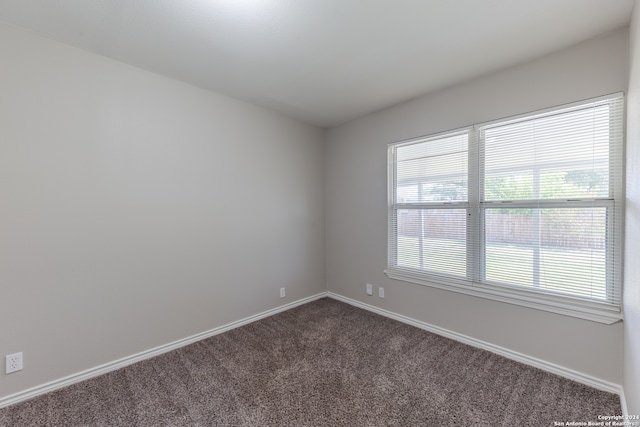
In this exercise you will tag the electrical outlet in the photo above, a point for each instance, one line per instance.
(13, 362)
(282, 293)
(369, 289)
(381, 292)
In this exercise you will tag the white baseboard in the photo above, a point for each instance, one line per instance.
(509, 354)
(623, 403)
(147, 354)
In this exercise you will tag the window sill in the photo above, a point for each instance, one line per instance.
(587, 310)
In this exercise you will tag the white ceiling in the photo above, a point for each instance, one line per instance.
(321, 61)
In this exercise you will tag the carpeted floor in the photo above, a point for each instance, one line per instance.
(325, 363)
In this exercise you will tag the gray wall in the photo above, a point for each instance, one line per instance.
(356, 200)
(632, 241)
(137, 210)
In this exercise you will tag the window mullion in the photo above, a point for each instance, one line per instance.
(474, 213)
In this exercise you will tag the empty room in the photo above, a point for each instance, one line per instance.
(320, 212)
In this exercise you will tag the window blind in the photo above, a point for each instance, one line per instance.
(431, 192)
(526, 209)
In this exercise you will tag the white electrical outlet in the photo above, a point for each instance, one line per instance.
(13, 362)
(381, 292)
(369, 289)
(282, 293)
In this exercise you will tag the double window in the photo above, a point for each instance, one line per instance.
(524, 210)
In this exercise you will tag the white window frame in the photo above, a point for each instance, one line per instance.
(604, 312)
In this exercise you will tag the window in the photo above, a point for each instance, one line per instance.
(524, 210)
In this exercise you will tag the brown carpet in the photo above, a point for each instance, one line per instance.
(325, 363)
